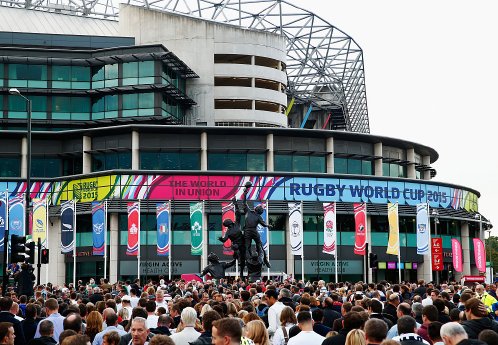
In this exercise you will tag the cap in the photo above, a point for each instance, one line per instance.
(126, 298)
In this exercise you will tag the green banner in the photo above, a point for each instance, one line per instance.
(196, 213)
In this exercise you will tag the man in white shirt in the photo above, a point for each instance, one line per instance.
(188, 334)
(152, 318)
(160, 301)
(134, 298)
(125, 303)
(111, 320)
(14, 310)
(52, 312)
(274, 311)
(306, 336)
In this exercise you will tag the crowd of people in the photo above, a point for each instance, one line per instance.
(262, 313)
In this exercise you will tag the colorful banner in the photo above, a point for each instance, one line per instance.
(3, 217)
(423, 229)
(163, 228)
(296, 228)
(262, 230)
(456, 249)
(392, 216)
(329, 228)
(227, 212)
(480, 255)
(437, 254)
(39, 221)
(68, 209)
(133, 228)
(16, 216)
(196, 226)
(360, 219)
(99, 227)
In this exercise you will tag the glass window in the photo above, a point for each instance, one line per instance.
(10, 167)
(300, 163)
(340, 165)
(61, 104)
(237, 161)
(256, 162)
(354, 166)
(45, 166)
(111, 160)
(130, 70)
(80, 73)
(146, 69)
(130, 101)
(61, 73)
(146, 100)
(16, 107)
(283, 162)
(366, 167)
(111, 71)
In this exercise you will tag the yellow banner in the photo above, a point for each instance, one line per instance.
(40, 220)
(392, 215)
(89, 189)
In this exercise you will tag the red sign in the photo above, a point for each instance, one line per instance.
(474, 279)
(437, 254)
(360, 218)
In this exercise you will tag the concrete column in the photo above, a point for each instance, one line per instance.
(57, 270)
(87, 157)
(464, 231)
(135, 150)
(270, 166)
(378, 161)
(113, 247)
(204, 153)
(330, 155)
(424, 269)
(410, 169)
(426, 160)
(24, 157)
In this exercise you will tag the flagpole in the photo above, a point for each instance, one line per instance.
(105, 239)
(46, 236)
(6, 245)
(74, 247)
(170, 240)
(138, 254)
(302, 243)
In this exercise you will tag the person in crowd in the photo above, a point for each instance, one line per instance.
(330, 313)
(226, 332)
(404, 309)
(46, 328)
(274, 311)
(306, 336)
(434, 332)
(485, 297)
(6, 316)
(375, 331)
(207, 325)
(352, 320)
(287, 321)
(429, 314)
(162, 340)
(477, 318)
(257, 332)
(488, 336)
(375, 312)
(52, 312)
(163, 326)
(453, 333)
(7, 334)
(318, 325)
(390, 309)
(66, 333)
(188, 334)
(356, 337)
(407, 328)
(30, 323)
(111, 321)
(94, 324)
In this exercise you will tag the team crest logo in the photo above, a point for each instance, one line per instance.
(296, 229)
(361, 228)
(196, 227)
(133, 229)
(98, 228)
(421, 228)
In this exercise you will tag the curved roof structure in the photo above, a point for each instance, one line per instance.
(324, 65)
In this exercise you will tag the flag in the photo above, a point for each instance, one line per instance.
(163, 228)
(39, 221)
(196, 226)
(480, 255)
(423, 229)
(392, 216)
(99, 227)
(456, 249)
(227, 212)
(263, 230)
(133, 228)
(67, 226)
(296, 228)
(17, 212)
(360, 219)
(3, 217)
(437, 254)
(329, 228)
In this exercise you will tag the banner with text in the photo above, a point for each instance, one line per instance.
(68, 209)
(392, 216)
(437, 253)
(456, 249)
(163, 216)
(99, 227)
(196, 227)
(480, 255)
(360, 219)
(133, 228)
(329, 228)
(16, 216)
(39, 221)
(227, 212)
(423, 229)
(296, 228)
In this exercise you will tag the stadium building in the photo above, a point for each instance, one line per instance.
(188, 104)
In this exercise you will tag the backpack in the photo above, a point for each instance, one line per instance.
(262, 312)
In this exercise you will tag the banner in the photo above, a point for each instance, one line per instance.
(3, 217)
(163, 228)
(133, 229)
(196, 226)
(263, 231)
(68, 210)
(227, 212)
(296, 228)
(456, 249)
(437, 254)
(480, 255)
(392, 216)
(99, 227)
(39, 221)
(360, 219)
(329, 228)
(16, 216)
(423, 229)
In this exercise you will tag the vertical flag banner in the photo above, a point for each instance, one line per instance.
(263, 231)
(423, 229)
(480, 255)
(196, 226)
(3, 217)
(133, 228)
(329, 228)
(360, 219)
(227, 212)
(392, 216)
(67, 226)
(39, 220)
(456, 249)
(296, 228)
(437, 254)
(163, 228)
(16, 216)
(99, 227)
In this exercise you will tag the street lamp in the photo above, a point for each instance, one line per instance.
(435, 215)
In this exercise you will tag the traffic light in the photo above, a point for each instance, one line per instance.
(374, 263)
(44, 256)
(30, 252)
(18, 248)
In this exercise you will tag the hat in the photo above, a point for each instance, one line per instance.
(126, 298)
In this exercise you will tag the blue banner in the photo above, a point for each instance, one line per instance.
(163, 228)
(99, 227)
(423, 229)
(3, 218)
(67, 226)
(16, 216)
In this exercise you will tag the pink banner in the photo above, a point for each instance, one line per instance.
(360, 218)
(456, 248)
(480, 255)
(133, 229)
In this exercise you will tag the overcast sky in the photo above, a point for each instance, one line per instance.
(431, 71)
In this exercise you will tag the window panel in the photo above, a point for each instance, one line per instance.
(146, 100)
(317, 164)
(146, 68)
(354, 166)
(256, 162)
(300, 163)
(340, 165)
(283, 162)
(10, 167)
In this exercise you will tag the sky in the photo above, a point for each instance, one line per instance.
(431, 69)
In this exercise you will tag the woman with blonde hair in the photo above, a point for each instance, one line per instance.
(206, 307)
(356, 337)
(250, 317)
(257, 332)
(287, 321)
(231, 310)
(94, 324)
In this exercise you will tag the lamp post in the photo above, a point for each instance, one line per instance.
(435, 215)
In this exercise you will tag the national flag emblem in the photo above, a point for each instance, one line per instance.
(162, 228)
